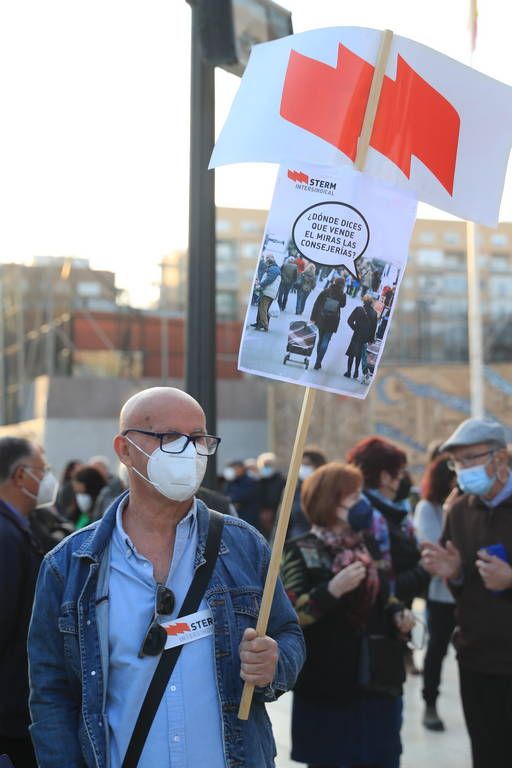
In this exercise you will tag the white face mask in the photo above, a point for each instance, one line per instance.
(84, 501)
(229, 474)
(305, 471)
(47, 492)
(175, 475)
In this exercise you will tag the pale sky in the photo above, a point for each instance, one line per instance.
(95, 120)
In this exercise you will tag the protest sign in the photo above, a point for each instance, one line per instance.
(442, 130)
(323, 308)
(309, 392)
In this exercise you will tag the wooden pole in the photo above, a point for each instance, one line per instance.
(309, 394)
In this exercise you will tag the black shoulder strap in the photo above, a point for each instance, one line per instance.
(169, 658)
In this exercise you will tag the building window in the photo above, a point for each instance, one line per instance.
(500, 287)
(88, 289)
(223, 225)
(427, 237)
(225, 251)
(455, 259)
(499, 238)
(499, 262)
(452, 238)
(227, 275)
(430, 257)
(249, 225)
(226, 303)
(455, 284)
(429, 284)
(250, 250)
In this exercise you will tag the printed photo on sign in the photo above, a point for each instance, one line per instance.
(327, 279)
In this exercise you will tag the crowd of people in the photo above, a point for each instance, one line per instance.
(117, 675)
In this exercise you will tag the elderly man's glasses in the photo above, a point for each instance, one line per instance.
(467, 461)
(177, 442)
(156, 636)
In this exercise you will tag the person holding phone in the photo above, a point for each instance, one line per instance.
(474, 558)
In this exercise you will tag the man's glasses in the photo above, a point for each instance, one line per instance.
(176, 442)
(156, 636)
(466, 461)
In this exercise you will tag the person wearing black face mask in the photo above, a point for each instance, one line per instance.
(383, 465)
(404, 488)
(342, 598)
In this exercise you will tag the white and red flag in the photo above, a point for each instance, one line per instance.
(442, 130)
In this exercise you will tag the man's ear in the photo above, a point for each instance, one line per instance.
(502, 458)
(122, 449)
(17, 475)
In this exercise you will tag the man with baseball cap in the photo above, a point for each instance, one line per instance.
(474, 556)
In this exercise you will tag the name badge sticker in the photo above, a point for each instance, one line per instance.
(186, 629)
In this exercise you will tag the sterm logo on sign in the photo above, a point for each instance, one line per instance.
(298, 176)
(188, 628)
(305, 182)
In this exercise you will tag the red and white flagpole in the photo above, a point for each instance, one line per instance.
(309, 394)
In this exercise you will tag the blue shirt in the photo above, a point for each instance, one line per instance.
(191, 699)
(428, 520)
(21, 518)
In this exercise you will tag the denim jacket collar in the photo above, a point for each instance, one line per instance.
(94, 546)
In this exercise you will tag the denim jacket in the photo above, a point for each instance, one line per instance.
(68, 645)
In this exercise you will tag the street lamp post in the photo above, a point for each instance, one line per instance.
(200, 375)
(223, 32)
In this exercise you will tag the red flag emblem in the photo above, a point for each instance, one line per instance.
(412, 118)
(177, 629)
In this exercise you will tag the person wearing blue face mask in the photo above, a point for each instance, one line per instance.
(474, 557)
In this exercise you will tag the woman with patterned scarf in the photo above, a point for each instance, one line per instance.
(343, 602)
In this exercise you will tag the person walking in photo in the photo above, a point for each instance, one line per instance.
(474, 557)
(306, 283)
(363, 322)
(347, 706)
(268, 288)
(437, 484)
(103, 633)
(288, 278)
(326, 314)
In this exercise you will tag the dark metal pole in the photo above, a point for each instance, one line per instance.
(200, 378)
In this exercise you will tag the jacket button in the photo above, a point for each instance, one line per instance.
(93, 673)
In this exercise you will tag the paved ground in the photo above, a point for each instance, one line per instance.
(422, 748)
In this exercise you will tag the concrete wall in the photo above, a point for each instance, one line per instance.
(78, 418)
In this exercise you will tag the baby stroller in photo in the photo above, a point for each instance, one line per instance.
(301, 341)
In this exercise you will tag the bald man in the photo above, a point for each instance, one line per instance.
(104, 594)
